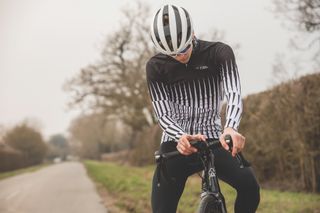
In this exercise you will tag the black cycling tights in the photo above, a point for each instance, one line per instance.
(165, 197)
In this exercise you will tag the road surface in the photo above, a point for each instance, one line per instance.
(60, 188)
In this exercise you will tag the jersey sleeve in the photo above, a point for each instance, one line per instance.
(158, 91)
(232, 87)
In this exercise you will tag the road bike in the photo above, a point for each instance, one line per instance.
(212, 200)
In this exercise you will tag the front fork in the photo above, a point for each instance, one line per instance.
(210, 183)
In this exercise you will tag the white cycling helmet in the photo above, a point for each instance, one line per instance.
(171, 29)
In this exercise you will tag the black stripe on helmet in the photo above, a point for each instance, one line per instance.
(178, 24)
(188, 24)
(166, 26)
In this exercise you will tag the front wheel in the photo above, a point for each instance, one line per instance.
(210, 204)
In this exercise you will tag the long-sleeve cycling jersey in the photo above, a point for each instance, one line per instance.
(187, 98)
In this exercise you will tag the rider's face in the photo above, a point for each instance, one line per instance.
(184, 58)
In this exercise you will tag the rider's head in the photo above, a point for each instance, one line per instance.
(172, 30)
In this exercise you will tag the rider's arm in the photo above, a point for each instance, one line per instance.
(158, 90)
(232, 87)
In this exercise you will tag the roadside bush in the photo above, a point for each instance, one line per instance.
(282, 129)
(28, 141)
(10, 159)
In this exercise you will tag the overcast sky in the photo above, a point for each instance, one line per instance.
(45, 42)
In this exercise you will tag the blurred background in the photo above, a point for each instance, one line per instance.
(72, 87)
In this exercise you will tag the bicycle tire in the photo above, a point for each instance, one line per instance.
(209, 204)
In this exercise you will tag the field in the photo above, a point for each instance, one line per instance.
(129, 188)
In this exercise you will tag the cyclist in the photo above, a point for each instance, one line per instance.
(187, 83)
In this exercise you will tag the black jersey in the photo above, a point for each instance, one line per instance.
(187, 98)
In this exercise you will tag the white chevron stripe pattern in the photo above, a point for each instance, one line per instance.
(194, 107)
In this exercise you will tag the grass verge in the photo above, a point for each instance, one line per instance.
(130, 187)
(4, 175)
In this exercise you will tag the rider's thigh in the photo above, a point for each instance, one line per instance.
(228, 169)
(242, 179)
(166, 193)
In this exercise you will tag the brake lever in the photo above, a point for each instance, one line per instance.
(228, 140)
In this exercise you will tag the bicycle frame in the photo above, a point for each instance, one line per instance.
(210, 183)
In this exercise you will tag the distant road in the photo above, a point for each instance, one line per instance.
(60, 188)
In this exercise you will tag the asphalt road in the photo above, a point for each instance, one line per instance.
(60, 188)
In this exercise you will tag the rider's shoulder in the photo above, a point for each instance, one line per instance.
(224, 52)
(215, 47)
(155, 66)
(157, 59)
(218, 50)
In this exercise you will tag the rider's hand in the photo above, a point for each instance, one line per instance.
(184, 146)
(237, 139)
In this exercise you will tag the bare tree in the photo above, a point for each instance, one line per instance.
(305, 15)
(116, 84)
(91, 135)
(58, 147)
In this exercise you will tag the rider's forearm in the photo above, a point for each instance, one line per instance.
(232, 88)
(233, 110)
